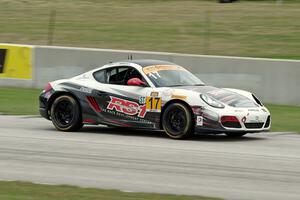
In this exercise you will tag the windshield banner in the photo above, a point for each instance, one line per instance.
(157, 68)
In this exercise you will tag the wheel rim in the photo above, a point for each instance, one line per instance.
(177, 121)
(64, 113)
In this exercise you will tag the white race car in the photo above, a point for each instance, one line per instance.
(151, 94)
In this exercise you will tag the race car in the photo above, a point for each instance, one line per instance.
(153, 95)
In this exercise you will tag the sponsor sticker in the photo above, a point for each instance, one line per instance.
(142, 100)
(153, 104)
(48, 95)
(238, 111)
(174, 96)
(154, 94)
(253, 110)
(244, 119)
(199, 121)
(127, 107)
(254, 119)
(86, 90)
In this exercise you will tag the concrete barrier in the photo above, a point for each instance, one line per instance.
(273, 80)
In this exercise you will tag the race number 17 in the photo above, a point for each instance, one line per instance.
(153, 103)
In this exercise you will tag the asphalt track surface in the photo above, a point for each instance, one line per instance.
(260, 166)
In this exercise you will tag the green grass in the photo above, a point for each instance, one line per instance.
(25, 102)
(12, 190)
(285, 118)
(16, 101)
(246, 28)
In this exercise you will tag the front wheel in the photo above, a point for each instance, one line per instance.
(177, 121)
(65, 114)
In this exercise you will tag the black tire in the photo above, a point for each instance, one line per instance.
(66, 114)
(235, 135)
(177, 121)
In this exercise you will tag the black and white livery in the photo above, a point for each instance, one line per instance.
(154, 95)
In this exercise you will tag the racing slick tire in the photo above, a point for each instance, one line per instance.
(66, 114)
(235, 135)
(177, 121)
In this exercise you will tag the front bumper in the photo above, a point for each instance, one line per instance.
(219, 131)
(249, 120)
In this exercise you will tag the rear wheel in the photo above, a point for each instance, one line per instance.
(65, 114)
(177, 121)
(235, 135)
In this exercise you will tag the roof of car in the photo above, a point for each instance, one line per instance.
(145, 63)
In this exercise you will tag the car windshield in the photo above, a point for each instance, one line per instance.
(171, 76)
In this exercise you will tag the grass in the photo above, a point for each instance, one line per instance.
(18, 101)
(285, 118)
(13, 190)
(245, 28)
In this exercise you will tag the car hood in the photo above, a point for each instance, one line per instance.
(225, 96)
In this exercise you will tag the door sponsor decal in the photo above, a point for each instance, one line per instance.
(127, 107)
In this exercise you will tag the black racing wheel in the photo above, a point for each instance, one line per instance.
(177, 121)
(65, 114)
(235, 135)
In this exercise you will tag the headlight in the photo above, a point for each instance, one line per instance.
(210, 101)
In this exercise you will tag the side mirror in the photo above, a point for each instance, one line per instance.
(136, 82)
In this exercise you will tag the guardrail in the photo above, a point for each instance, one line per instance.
(273, 80)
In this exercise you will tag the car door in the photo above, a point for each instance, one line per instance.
(122, 104)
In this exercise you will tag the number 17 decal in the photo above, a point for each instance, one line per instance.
(153, 104)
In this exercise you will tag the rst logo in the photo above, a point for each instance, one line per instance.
(126, 107)
(2, 59)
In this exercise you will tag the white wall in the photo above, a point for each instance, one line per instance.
(274, 81)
